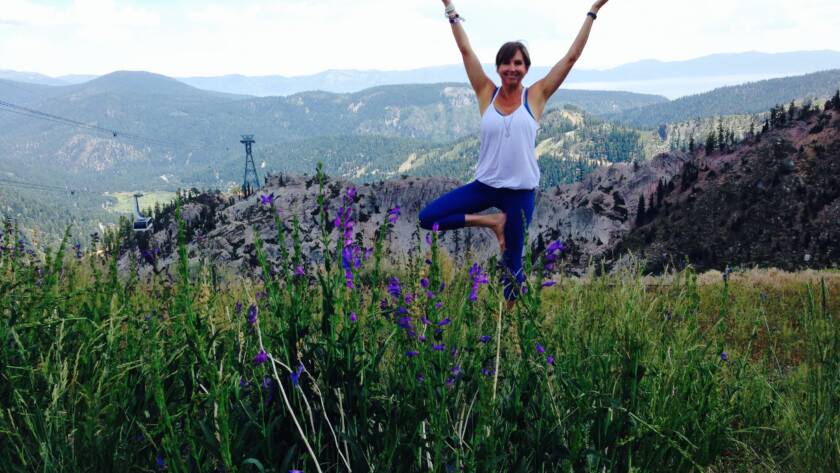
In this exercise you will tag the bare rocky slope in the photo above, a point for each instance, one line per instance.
(773, 200)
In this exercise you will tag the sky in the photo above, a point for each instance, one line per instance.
(184, 38)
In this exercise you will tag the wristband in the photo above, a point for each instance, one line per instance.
(594, 16)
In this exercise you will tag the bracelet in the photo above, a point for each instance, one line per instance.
(594, 16)
(450, 8)
(456, 19)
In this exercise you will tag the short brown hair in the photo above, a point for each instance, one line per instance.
(508, 50)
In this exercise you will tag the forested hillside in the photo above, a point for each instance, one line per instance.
(748, 98)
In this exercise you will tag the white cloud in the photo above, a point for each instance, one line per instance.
(292, 37)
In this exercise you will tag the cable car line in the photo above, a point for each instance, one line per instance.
(46, 187)
(32, 113)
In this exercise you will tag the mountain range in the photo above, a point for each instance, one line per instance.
(670, 78)
(156, 133)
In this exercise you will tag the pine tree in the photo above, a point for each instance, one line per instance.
(791, 111)
(711, 144)
(640, 211)
(835, 101)
(691, 144)
(660, 192)
(721, 137)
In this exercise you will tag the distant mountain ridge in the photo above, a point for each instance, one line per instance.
(191, 136)
(722, 69)
(747, 98)
(749, 63)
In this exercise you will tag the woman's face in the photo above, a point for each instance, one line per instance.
(514, 71)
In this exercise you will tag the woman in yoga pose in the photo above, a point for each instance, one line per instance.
(507, 173)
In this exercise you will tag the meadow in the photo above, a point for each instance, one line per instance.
(374, 362)
(125, 200)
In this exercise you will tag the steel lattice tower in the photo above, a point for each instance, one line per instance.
(249, 186)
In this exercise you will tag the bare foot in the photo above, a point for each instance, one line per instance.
(498, 228)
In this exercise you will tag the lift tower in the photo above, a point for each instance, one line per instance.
(252, 184)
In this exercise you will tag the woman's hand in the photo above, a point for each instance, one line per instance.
(597, 5)
(446, 2)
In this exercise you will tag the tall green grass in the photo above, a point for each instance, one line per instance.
(294, 370)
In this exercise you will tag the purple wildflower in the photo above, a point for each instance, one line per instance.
(295, 375)
(425, 320)
(488, 371)
(261, 357)
(243, 383)
(444, 322)
(159, 463)
(551, 253)
(299, 271)
(548, 283)
(348, 279)
(438, 347)
(421, 378)
(351, 193)
(478, 277)
(450, 381)
(412, 353)
(267, 199)
(429, 239)
(550, 360)
(438, 304)
(555, 246)
(484, 339)
(724, 356)
(394, 214)
(295, 471)
(353, 317)
(422, 338)
(394, 287)
(456, 370)
(424, 282)
(252, 315)
(540, 349)
(404, 323)
(409, 299)
(383, 304)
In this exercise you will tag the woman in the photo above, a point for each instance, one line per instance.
(507, 173)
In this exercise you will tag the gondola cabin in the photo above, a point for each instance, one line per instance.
(141, 223)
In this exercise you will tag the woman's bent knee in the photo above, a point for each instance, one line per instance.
(426, 219)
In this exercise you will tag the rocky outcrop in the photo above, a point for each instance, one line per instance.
(772, 201)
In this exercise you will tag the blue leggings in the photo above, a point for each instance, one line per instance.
(449, 209)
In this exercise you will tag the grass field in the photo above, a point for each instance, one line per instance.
(125, 200)
(349, 367)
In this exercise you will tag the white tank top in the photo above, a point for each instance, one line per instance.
(507, 156)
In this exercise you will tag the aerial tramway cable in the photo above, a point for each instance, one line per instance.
(32, 113)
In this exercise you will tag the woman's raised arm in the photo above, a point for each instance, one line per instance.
(544, 88)
(481, 84)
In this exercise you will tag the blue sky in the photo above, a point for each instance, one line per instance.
(293, 37)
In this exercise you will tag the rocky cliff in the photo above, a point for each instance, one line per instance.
(770, 201)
